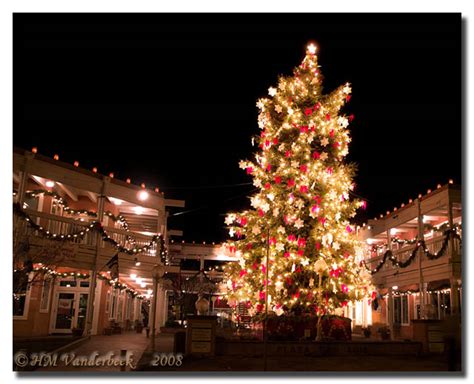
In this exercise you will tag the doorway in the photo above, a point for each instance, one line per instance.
(69, 309)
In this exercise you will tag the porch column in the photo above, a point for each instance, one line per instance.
(24, 178)
(390, 311)
(390, 300)
(93, 281)
(454, 261)
(420, 256)
(158, 272)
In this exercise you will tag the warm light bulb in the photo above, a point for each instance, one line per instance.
(142, 195)
(50, 184)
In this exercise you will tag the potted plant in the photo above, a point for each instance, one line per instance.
(384, 333)
(77, 332)
(367, 331)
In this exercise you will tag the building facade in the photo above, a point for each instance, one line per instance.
(414, 255)
(89, 251)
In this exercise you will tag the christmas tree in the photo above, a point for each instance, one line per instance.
(302, 207)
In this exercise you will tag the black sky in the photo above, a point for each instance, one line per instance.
(169, 99)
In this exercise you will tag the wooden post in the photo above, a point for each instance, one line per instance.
(420, 256)
(390, 297)
(24, 178)
(453, 259)
(93, 279)
(265, 324)
(390, 311)
(153, 311)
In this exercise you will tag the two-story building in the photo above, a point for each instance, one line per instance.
(89, 250)
(414, 255)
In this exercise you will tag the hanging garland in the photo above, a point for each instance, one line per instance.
(60, 201)
(442, 228)
(85, 276)
(94, 226)
(388, 255)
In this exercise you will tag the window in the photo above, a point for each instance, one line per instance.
(107, 302)
(114, 304)
(21, 295)
(68, 283)
(45, 294)
(400, 310)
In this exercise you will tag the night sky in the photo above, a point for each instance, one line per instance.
(169, 99)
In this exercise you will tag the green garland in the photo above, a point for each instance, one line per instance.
(388, 255)
(60, 201)
(85, 276)
(94, 226)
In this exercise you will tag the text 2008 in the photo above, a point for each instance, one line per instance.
(167, 360)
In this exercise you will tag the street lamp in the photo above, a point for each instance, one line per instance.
(320, 267)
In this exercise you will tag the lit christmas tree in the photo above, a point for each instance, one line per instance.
(301, 212)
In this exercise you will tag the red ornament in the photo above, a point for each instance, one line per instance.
(288, 154)
(300, 252)
(291, 238)
(272, 241)
(275, 141)
(318, 246)
(351, 117)
(331, 134)
(317, 106)
(304, 168)
(328, 116)
(308, 111)
(243, 272)
(291, 183)
(304, 189)
(336, 144)
(316, 155)
(267, 186)
(286, 255)
(269, 167)
(301, 242)
(261, 294)
(249, 170)
(349, 229)
(304, 129)
(348, 98)
(260, 212)
(243, 220)
(277, 179)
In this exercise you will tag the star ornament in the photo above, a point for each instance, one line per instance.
(272, 91)
(347, 89)
(311, 49)
(324, 142)
(278, 108)
(299, 223)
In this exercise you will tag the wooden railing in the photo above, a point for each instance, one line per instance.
(433, 245)
(64, 226)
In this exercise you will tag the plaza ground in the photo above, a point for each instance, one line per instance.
(139, 345)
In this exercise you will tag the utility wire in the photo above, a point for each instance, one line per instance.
(209, 186)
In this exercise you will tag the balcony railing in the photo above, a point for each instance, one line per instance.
(433, 245)
(80, 232)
